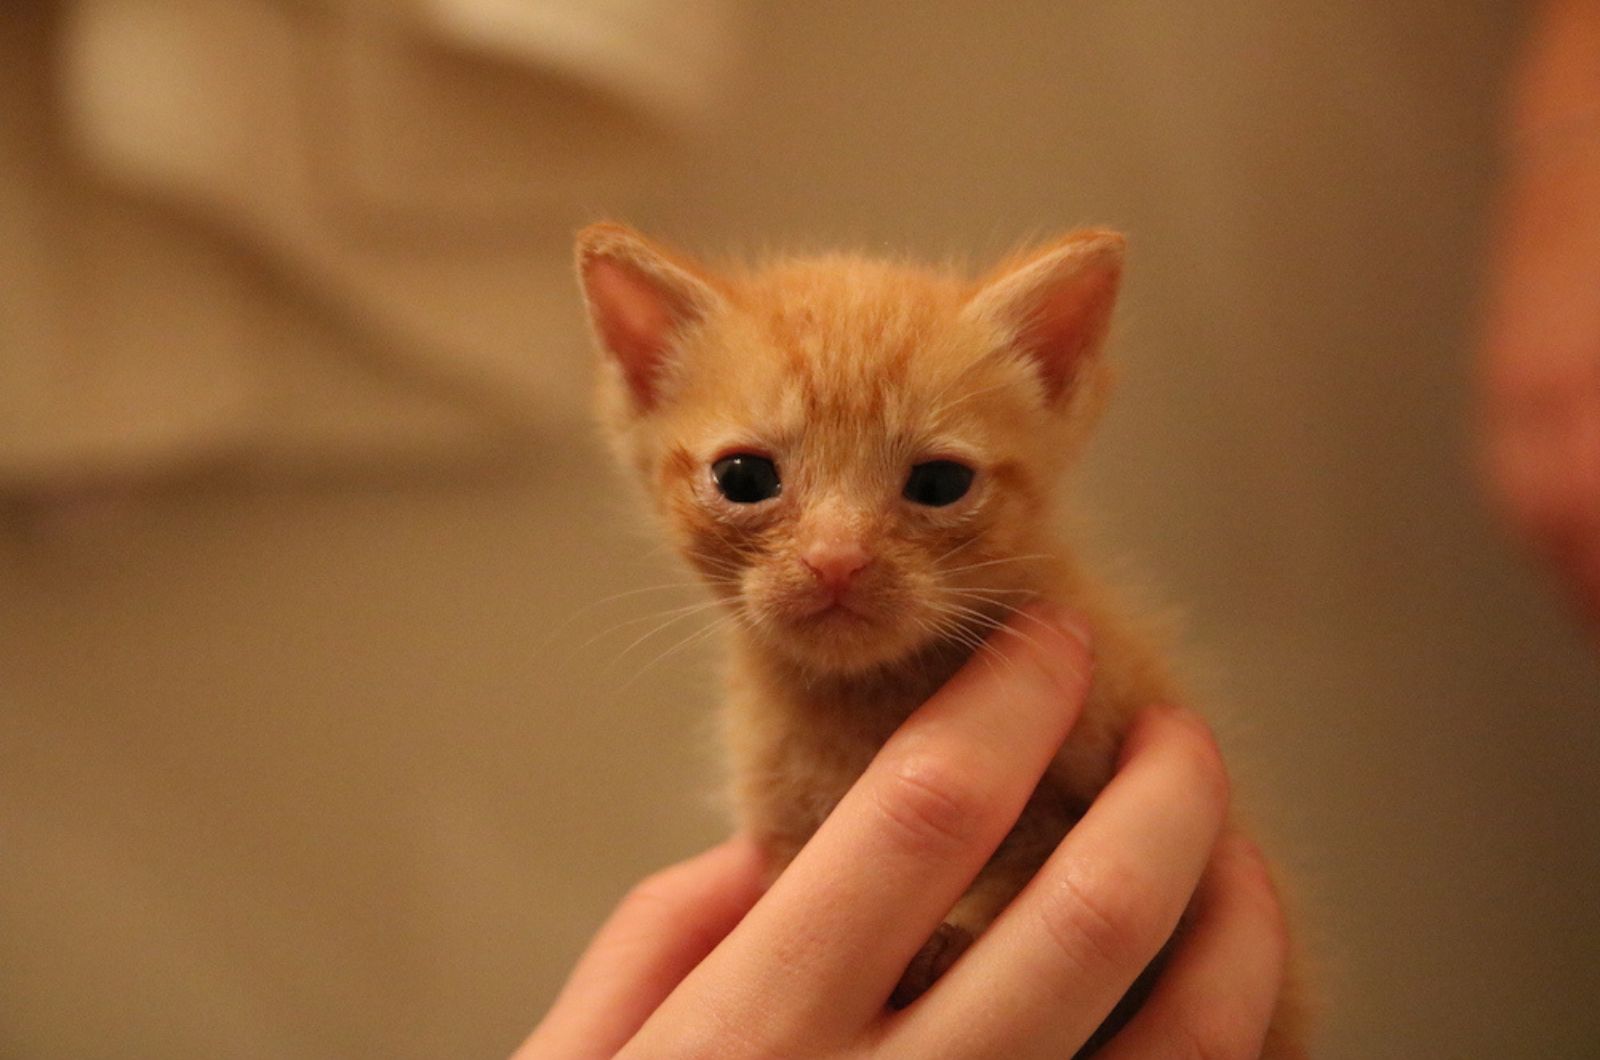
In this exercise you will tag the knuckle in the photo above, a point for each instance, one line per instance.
(720, 1031)
(1201, 1037)
(1102, 920)
(933, 806)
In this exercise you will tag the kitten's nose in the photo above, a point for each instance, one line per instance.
(835, 563)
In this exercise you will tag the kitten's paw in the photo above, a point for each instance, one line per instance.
(936, 955)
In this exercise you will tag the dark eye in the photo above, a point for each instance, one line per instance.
(745, 478)
(937, 483)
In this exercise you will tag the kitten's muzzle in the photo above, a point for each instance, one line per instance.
(835, 564)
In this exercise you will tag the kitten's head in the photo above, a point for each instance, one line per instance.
(857, 456)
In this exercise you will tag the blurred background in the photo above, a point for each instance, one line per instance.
(319, 735)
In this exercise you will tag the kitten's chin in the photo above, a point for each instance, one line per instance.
(841, 642)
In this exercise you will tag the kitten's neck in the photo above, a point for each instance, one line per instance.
(882, 696)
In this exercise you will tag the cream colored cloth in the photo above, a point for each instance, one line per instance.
(308, 232)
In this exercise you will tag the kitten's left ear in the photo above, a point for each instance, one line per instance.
(1055, 304)
(641, 298)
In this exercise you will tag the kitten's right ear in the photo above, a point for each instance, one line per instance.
(640, 297)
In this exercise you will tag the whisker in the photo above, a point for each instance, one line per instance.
(990, 591)
(968, 542)
(699, 635)
(997, 562)
(950, 627)
(982, 620)
(957, 622)
(647, 589)
(593, 605)
(1007, 608)
(672, 616)
(1035, 619)
(677, 617)
(1011, 609)
(998, 624)
(715, 563)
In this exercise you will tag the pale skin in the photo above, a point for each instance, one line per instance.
(698, 961)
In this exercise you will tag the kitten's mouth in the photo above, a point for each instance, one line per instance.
(843, 634)
(833, 611)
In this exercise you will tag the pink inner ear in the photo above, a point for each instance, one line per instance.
(1065, 322)
(635, 319)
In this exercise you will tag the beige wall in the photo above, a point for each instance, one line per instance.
(332, 767)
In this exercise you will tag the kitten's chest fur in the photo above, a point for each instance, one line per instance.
(798, 740)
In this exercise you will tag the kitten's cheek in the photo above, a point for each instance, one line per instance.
(763, 601)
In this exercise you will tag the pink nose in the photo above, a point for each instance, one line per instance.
(835, 563)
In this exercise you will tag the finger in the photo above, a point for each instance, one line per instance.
(828, 943)
(1051, 967)
(1216, 996)
(661, 930)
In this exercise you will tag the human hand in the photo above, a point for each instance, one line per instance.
(697, 962)
(1540, 363)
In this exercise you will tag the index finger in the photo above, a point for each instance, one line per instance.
(1051, 967)
(832, 937)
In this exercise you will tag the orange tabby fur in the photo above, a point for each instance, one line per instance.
(845, 372)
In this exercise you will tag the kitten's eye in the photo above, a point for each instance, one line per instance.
(937, 483)
(745, 478)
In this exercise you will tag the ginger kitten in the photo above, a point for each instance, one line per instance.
(859, 457)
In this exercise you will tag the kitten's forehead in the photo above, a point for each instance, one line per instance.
(866, 338)
(856, 366)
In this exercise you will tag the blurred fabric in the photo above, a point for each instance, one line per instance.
(249, 232)
(338, 734)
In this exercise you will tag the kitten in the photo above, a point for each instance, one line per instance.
(859, 458)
